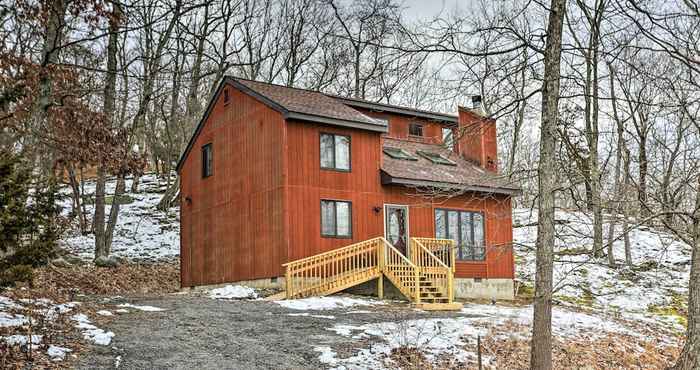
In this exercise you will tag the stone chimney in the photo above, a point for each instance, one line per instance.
(476, 137)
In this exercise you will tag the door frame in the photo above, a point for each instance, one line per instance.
(408, 231)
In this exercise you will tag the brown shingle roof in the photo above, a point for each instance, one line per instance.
(308, 103)
(424, 172)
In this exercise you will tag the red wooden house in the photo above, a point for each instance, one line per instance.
(275, 174)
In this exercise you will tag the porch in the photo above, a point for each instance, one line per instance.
(424, 275)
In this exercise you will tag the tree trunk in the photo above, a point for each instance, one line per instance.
(643, 169)
(690, 355)
(113, 213)
(625, 208)
(99, 218)
(77, 199)
(170, 196)
(541, 345)
(102, 243)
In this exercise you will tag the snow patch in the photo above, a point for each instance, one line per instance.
(22, 339)
(57, 353)
(326, 303)
(306, 314)
(233, 292)
(142, 308)
(8, 319)
(104, 313)
(91, 332)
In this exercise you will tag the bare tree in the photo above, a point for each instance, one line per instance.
(541, 345)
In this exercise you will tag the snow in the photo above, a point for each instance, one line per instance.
(8, 319)
(22, 339)
(233, 292)
(8, 303)
(142, 308)
(143, 233)
(121, 310)
(326, 303)
(306, 314)
(327, 355)
(91, 332)
(659, 278)
(104, 313)
(57, 353)
(457, 336)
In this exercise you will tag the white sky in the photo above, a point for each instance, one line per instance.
(428, 8)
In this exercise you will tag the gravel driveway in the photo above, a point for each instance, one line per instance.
(197, 332)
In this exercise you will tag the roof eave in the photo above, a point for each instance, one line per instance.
(336, 122)
(405, 111)
(387, 179)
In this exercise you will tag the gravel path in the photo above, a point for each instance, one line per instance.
(196, 332)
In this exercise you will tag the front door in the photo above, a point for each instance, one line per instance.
(396, 226)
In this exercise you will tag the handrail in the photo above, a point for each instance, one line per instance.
(422, 275)
(401, 255)
(448, 257)
(429, 253)
(332, 271)
(334, 251)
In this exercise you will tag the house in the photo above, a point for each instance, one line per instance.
(275, 174)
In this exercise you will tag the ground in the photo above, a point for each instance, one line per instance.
(134, 316)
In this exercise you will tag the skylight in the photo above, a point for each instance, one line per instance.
(436, 158)
(398, 153)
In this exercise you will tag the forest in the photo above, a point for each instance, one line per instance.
(597, 104)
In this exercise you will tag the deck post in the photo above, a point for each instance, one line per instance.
(417, 286)
(381, 256)
(288, 283)
(450, 287)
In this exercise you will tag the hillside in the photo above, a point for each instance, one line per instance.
(654, 289)
(143, 233)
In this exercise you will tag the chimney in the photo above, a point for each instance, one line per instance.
(476, 103)
(476, 137)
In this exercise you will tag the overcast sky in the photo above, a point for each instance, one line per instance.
(428, 8)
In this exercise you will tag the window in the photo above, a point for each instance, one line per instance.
(383, 121)
(226, 97)
(436, 158)
(398, 153)
(336, 219)
(207, 160)
(415, 129)
(335, 152)
(466, 229)
(448, 138)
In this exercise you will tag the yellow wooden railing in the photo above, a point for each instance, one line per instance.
(431, 267)
(333, 271)
(443, 249)
(403, 273)
(428, 272)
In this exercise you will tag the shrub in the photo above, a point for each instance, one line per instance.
(16, 274)
(29, 218)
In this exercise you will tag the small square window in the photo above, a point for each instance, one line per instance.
(415, 129)
(207, 160)
(436, 158)
(336, 218)
(398, 153)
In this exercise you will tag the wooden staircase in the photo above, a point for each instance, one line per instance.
(426, 277)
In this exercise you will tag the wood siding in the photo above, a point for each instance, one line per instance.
(308, 184)
(233, 227)
(261, 206)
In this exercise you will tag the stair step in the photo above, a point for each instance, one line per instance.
(439, 306)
